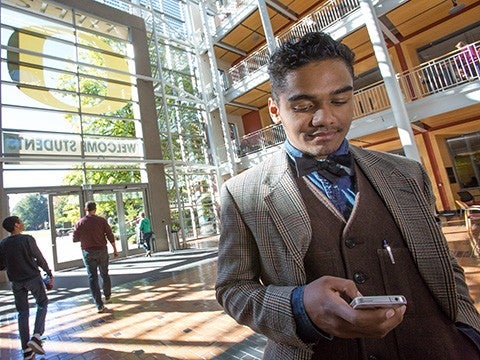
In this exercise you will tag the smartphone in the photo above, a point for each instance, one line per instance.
(371, 302)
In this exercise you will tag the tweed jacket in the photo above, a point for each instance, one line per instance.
(266, 232)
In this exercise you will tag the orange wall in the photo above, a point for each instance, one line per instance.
(251, 122)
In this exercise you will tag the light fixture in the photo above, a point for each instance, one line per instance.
(456, 7)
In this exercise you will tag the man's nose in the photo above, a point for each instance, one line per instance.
(321, 116)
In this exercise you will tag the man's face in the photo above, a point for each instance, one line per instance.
(316, 108)
(19, 226)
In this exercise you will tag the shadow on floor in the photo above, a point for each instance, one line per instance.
(106, 354)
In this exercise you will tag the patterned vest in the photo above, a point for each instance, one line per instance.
(354, 250)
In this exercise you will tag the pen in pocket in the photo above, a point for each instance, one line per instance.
(389, 251)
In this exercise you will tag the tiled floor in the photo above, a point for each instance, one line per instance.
(170, 312)
(162, 308)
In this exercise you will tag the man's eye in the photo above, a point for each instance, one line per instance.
(302, 108)
(339, 102)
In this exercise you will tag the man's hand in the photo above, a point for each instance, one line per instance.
(333, 315)
(48, 281)
(114, 246)
(49, 285)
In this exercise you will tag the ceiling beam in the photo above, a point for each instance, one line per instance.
(388, 33)
(244, 106)
(419, 127)
(282, 10)
(231, 48)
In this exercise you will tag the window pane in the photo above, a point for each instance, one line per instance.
(28, 119)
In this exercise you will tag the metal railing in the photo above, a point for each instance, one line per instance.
(260, 140)
(453, 69)
(326, 15)
(249, 65)
(320, 19)
(441, 74)
(370, 99)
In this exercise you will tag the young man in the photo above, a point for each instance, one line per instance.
(322, 222)
(20, 256)
(93, 231)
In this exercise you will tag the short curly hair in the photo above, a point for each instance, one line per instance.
(297, 52)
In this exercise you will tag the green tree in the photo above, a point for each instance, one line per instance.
(66, 210)
(33, 210)
(119, 123)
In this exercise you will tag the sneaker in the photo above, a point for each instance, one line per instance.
(107, 298)
(28, 354)
(102, 309)
(36, 344)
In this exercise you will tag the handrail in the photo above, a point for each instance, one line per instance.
(444, 72)
(324, 16)
(453, 69)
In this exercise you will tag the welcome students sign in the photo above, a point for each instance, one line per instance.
(35, 144)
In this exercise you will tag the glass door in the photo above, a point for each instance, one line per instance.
(133, 203)
(51, 214)
(32, 208)
(64, 210)
(107, 207)
(121, 209)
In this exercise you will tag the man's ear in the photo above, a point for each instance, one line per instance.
(274, 111)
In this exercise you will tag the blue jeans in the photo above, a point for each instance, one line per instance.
(147, 241)
(93, 260)
(20, 293)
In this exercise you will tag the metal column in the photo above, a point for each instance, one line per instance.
(267, 26)
(232, 165)
(395, 96)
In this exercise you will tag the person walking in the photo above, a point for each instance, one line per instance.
(93, 231)
(321, 222)
(21, 257)
(145, 233)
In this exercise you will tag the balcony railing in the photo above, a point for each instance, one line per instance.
(225, 9)
(452, 69)
(249, 65)
(438, 75)
(320, 19)
(261, 140)
(326, 15)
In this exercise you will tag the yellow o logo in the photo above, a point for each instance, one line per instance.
(27, 69)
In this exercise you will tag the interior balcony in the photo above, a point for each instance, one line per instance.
(337, 17)
(430, 90)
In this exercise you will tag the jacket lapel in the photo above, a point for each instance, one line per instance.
(285, 204)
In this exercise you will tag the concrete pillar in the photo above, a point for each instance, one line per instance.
(395, 95)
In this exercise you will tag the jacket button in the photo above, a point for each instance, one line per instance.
(360, 277)
(373, 357)
(350, 243)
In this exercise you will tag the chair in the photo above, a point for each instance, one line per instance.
(472, 223)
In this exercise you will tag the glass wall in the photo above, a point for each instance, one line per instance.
(69, 98)
(70, 109)
(465, 152)
(182, 120)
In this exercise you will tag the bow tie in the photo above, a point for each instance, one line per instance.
(332, 168)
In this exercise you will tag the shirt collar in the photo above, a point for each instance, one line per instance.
(293, 152)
